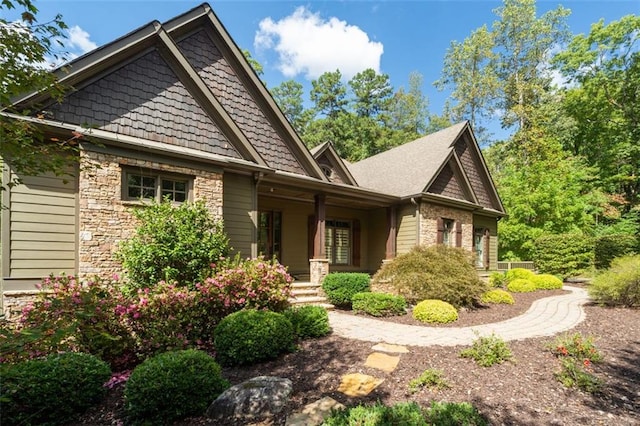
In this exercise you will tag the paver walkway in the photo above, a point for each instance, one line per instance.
(545, 317)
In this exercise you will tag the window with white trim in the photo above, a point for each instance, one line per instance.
(338, 241)
(147, 185)
(448, 235)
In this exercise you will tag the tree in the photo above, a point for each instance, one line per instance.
(288, 96)
(257, 66)
(328, 93)
(409, 110)
(372, 93)
(26, 46)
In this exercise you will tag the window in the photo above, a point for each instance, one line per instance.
(478, 242)
(140, 185)
(338, 242)
(270, 234)
(447, 233)
(326, 170)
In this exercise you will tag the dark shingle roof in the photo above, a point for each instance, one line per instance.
(407, 169)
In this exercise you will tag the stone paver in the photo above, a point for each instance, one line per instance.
(357, 384)
(384, 362)
(314, 413)
(545, 317)
(392, 349)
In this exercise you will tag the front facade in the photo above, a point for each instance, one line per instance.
(174, 110)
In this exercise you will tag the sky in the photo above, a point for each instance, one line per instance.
(302, 39)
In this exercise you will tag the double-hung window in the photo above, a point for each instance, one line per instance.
(148, 185)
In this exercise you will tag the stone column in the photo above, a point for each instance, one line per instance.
(318, 269)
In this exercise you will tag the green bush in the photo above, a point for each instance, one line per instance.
(518, 274)
(172, 244)
(403, 413)
(379, 304)
(564, 254)
(171, 386)
(308, 321)
(429, 378)
(620, 284)
(520, 285)
(435, 272)
(498, 296)
(51, 390)
(435, 311)
(498, 280)
(249, 336)
(455, 414)
(488, 350)
(341, 286)
(547, 282)
(608, 247)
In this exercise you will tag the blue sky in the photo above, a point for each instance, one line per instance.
(302, 39)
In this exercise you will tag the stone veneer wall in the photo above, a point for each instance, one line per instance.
(318, 269)
(429, 214)
(105, 219)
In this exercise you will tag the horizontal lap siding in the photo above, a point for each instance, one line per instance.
(43, 227)
(238, 206)
(407, 229)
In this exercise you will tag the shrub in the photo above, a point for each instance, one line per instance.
(488, 350)
(577, 353)
(498, 280)
(379, 304)
(429, 378)
(520, 285)
(435, 311)
(172, 244)
(518, 274)
(576, 346)
(341, 286)
(546, 282)
(564, 254)
(403, 413)
(608, 247)
(435, 272)
(574, 373)
(171, 386)
(497, 296)
(455, 413)
(308, 321)
(51, 390)
(250, 336)
(620, 284)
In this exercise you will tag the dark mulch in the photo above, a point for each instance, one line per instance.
(521, 393)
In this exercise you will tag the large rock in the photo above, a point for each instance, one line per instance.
(256, 398)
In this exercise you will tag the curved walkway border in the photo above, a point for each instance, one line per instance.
(545, 317)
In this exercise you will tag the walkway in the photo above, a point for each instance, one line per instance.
(545, 317)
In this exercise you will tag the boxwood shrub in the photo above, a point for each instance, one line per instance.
(498, 296)
(379, 304)
(250, 336)
(518, 273)
(51, 390)
(171, 386)
(520, 285)
(341, 286)
(308, 321)
(546, 282)
(436, 311)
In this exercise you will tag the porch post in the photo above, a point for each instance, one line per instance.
(390, 251)
(318, 264)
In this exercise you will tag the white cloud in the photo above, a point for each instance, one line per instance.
(79, 39)
(307, 44)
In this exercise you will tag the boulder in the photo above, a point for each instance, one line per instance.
(256, 398)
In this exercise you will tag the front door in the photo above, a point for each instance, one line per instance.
(478, 243)
(270, 234)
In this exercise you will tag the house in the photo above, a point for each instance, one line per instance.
(175, 110)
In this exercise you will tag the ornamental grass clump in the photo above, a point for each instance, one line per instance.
(619, 285)
(498, 296)
(435, 311)
(488, 350)
(521, 285)
(546, 282)
(379, 304)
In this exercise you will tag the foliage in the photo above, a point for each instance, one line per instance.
(403, 413)
(435, 272)
(520, 285)
(173, 243)
(608, 247)
(488, 351)
(308, 321)
(341, 286)
(288, 96)
(72, 316)
(563, 254)
(618, 285)
(250, 336)
(429, 378)
(51, 390)
(454, 414)
(577, 354)
(497, 296)
(547, 282)
(518, 273)
(171, 386)
(379, 304)
(498, 280)
(437, 311)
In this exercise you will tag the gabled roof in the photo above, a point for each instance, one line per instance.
(326, 154)
(411, 169)
(232, 108)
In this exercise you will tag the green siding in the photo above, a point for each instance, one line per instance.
(239, 212)
(407, 229)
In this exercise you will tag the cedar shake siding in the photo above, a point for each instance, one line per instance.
(447, 184)
(335, 176)
(472, 165)
(145, 99)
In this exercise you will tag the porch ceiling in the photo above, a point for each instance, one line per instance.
(285, 192)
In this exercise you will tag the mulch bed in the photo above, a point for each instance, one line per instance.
(524, 392)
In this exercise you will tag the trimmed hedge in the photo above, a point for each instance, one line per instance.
(608, 247)
(51, 390)
(379, 304)
(250, 336)
(520, 285)
(436, 311)
(171, 386)
(620, 284)
(547, 282)
(341, 286)
(308, 321)
(563, 254)
(498, 296)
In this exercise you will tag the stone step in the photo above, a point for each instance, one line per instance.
(301, 284)
(310, 300)
(304, 292)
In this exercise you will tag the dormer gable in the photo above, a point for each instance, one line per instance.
(332, 165)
